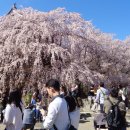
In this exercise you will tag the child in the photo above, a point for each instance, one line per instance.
(29, 118)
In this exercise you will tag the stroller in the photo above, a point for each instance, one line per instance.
(100, 122)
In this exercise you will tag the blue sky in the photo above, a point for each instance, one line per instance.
(110, 16)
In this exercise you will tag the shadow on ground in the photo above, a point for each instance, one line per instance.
(85, 116)
(83, 121)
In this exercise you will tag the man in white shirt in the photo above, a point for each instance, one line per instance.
(102, 93)
(57, 110)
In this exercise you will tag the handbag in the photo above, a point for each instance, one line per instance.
(95, 107)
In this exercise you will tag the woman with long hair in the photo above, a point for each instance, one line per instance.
(13, 112)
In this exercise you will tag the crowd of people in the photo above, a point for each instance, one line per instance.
(54, 105)
(58, 108)
(110, 105)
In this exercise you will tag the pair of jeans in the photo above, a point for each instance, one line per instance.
(124, 128)
(102, 108)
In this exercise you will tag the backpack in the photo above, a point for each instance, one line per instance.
(114, 117)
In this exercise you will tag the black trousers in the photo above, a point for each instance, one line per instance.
(114, 128)
(28, 126)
